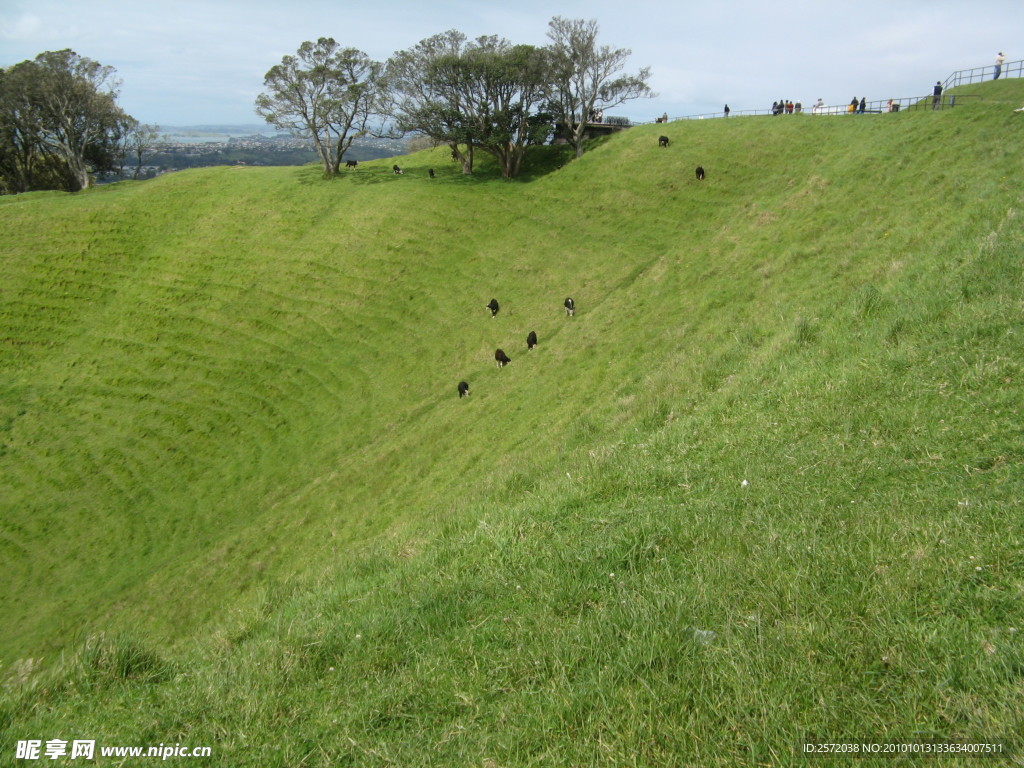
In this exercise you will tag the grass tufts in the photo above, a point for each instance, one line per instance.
(763, 489)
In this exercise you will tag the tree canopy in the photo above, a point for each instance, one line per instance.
(326, 93)
(481, 94)
(418, 99)
(59, 122)
(486, 94)
(584, 76)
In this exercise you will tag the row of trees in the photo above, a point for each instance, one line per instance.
(485, 94)
(60, 124)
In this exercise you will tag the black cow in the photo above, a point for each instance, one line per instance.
(397, 170)
(570, 307)
(430, 173)
(463, 389)
(531, 340)
(501, 358)
(700, 173)
(351, 163)
(493, 306)
(663, 141)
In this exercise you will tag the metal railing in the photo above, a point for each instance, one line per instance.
(946, 101)
(976, 75)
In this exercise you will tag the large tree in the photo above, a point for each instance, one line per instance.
(420, 100)
(81, 120)
(585, 76)
(21, 153)
(325, 93)
(482, 94)
(505, 85)
(140, 143)
(58, 113)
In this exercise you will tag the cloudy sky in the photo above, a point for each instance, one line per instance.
(188, 62)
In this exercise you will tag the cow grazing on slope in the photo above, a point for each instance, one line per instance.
(463, 389)
(430, 173)
(351, 163)
(663, 141)
(397, 170)
(700, 173)
(570, 307)
(493, 306)
(531, 340)
(501, 358)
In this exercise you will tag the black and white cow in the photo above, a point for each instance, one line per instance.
(463, 389)
(493, 306)
(570, 307)
(501, 358)
(663, 141)
(430, 173)
(700, 173)
(351, 163)
(531, 340)
(398, 171)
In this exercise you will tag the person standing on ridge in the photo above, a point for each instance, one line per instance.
(999, 65)
(937, 95)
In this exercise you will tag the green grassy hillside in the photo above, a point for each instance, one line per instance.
(764, 488)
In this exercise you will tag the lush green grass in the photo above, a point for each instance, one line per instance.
(764, 488)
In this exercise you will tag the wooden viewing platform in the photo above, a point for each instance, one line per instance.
(592, 131)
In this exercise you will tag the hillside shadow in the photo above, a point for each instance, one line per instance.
(443, 175)
(537, 163)
(542, 161)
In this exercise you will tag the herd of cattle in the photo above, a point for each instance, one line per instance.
(663, 141)
(395, 168)
(502, 359)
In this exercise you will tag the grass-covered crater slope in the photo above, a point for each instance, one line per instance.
(764, 488)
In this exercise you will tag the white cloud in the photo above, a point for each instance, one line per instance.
(25, 27)
(203, 60)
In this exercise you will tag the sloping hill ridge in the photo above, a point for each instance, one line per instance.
(763, 489)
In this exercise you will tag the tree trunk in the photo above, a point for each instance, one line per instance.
(325, 159)
(465, 159)
(510, 159)
(74, 155)
(577, 137)
(78, 172)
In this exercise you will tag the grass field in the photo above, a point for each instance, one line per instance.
(763, 489)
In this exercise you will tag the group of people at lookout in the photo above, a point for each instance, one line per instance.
(861, 106)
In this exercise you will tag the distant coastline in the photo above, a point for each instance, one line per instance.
(217, 133)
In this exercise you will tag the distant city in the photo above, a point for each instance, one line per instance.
(196, 146)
